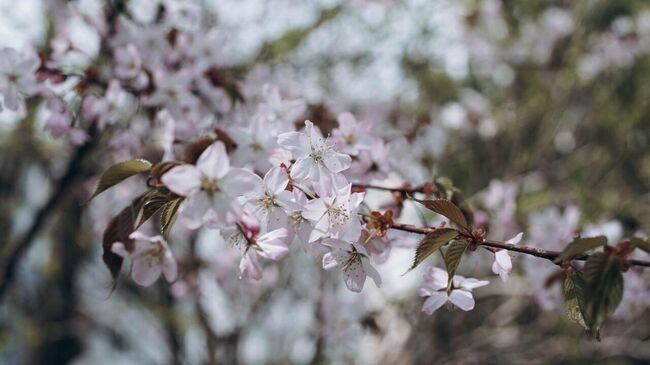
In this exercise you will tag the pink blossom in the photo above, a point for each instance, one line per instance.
(502, 265)
(270, 200)
(17, 77)
(315, 156)
(211, 187)
(151, 257)
(352, 136)
(434, 286)
(334, 213)
(353, 260)
(272, 245)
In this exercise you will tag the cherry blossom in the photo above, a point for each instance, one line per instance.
(272, 245)
(315, 156)
(275, 108)
(270, 200)
(128, 62)
(211, 187)
(502, 265)
(334, 212)
(117, 105)
(434, 286)
(299, 227)
(254, 144)
(353, 260)
(151, 257)
(352, 136)
(17, 78)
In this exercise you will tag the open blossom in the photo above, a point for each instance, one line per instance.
(117, 105)
(59, 122)
(272, 245)
(434, 286)
(353, 260)
(502, 265)
(276, 109)
(17, 77)
(151, 257)
(315, 156)
(352, 136)
(334, 213)
(128, 62)
(270, 200)
(211, 187)
(254, 144)
(173, 92)
(299, 227)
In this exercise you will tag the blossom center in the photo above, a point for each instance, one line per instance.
(354, 258)
(296, 217)
(209, 185)
(319, 151)
(337, 215)
(267, 202)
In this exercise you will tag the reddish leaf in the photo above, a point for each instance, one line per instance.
(446, 208)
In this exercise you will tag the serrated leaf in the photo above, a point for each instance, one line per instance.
(168, 215)
(122, 225)
(119, 172)
(641, 243)
(604, 288)
(579, 246)
(151, 200)
(574, 287)
(446, 208)
(431, 243)
(453, 255)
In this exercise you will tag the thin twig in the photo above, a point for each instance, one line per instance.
(532, 251)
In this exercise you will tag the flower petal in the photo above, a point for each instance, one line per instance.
(241, 182)
(276, 180)
(329, 261)
(371, 271)
(355, 277)
(214, 162)
(249, 266)
(119, 249)
(515, 240)
(434, 302)
(273, 244)
(462, 299)
(337, 162)
(183, 180)
(146, 270)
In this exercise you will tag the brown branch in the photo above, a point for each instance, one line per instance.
(403, 190)
(532, 251)
(14, 251)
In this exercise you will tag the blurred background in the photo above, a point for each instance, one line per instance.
(538, 111)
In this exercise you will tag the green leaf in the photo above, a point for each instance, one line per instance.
(574, 287)
(168, 215)
(431, 243)
(579, 246)
(604, 289)
(122, 225)
(119, 172)
(642, 243)
(150, 202)
(446, 208)
(453, 255)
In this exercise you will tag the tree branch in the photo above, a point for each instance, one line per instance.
(14, 251)
(532, 251)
